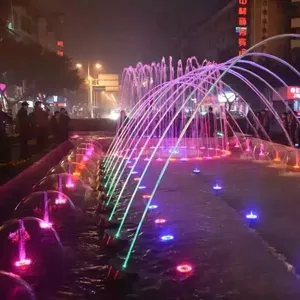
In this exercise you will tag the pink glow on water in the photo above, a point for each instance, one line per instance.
(45, 225)
(70, 185)
(14, 236)
(23, 260)
(262, 149)
(184, 268)
(60, 201)
(23, 263)
(85, 158)
(160, 221)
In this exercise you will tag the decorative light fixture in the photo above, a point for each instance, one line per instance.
(184, 268)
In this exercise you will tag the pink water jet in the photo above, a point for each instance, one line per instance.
(70, 185)
(237, 142)
(23, 261)
(248, 145)
(262, 150)
(60, 200)
(45, 224)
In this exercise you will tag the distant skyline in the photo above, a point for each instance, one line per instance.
(119, 33)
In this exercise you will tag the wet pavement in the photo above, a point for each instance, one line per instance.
(230, 260)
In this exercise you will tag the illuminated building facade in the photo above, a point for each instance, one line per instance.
(269, 18)
(242, 28)
(295, 28)
(29, 24)
(216, 39)
(243, 23)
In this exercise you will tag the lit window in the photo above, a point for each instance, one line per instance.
(60, 43)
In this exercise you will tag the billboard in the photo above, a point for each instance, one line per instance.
(110, 82)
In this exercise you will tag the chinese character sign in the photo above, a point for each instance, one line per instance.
(242, 27)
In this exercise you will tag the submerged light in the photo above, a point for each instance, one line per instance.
(251, 216)
(142, 187)
(60, 201)
(184, 268)
(217, 187)
(23, 263)
(45, 225)
(196, 171)
(153, 206)
(160, 221)
(70, 185)
(167, 237)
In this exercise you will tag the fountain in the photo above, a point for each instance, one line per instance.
(45, 224)
(185, 118)
(177, 115)
(23, 261)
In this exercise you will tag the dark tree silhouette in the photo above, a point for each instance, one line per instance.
(41, 72)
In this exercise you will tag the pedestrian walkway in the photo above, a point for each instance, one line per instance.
(230, 261)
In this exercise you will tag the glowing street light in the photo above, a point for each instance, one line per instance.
(90, 79)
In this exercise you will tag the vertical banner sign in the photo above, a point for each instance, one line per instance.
(264, 22)
(242, 28)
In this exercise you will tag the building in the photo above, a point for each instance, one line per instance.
(215, 39)
(268, 18)
(243, 23)
(29, 24)
(295, 28)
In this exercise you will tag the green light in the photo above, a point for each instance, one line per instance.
(10, 26)
(145, 170)
(133, 141)
(170, 155)
(128, 255)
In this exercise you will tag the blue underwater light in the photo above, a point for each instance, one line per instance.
(251, 216)
(196, 171)
(153, 206)
(217, 187)
(167, 237)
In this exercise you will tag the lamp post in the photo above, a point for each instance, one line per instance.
(90, 83)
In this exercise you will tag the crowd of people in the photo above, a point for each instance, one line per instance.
(37, 125)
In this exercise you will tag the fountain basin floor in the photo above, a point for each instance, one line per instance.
(231, 262)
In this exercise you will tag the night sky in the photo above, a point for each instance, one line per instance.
(119, 33)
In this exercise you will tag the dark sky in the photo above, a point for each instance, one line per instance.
(122, 32)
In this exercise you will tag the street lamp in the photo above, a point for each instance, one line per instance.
(97, 66)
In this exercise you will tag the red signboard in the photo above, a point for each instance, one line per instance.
(293, 93)
(242, 28)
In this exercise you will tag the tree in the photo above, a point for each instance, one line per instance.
(38, 71)
(54, 75)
